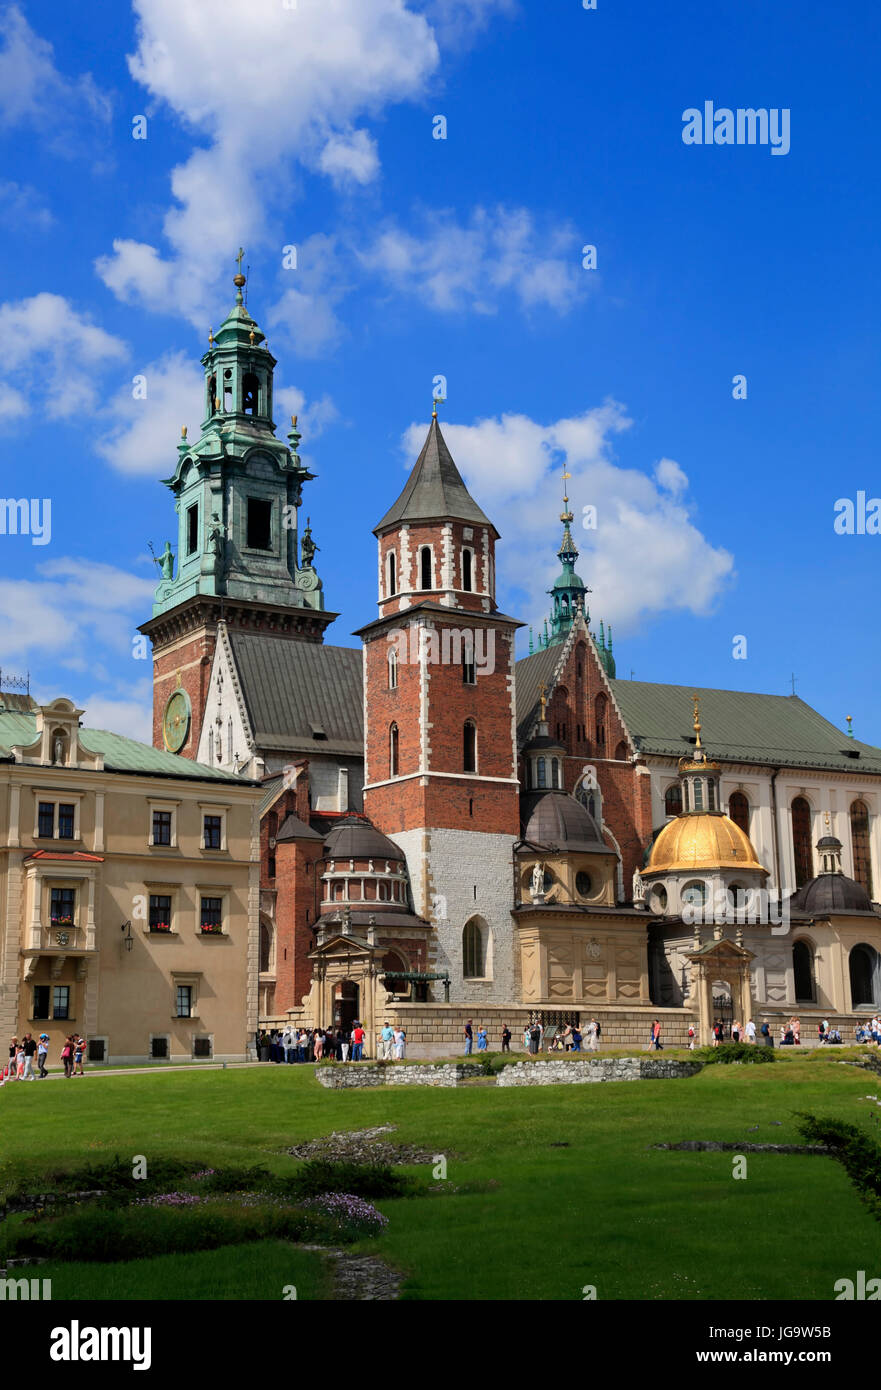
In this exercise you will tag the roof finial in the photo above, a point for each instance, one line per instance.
(697, 722)
(849, 725)
(239, 279)
(435, 402)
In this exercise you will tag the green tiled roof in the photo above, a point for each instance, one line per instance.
(739, 726)
(120, 754)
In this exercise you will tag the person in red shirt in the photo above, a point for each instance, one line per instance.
(357, 1042)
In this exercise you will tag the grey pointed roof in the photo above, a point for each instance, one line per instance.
(434, 490)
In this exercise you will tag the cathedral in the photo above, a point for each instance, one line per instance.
(450, 833)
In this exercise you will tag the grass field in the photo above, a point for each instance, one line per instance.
(566, 1188)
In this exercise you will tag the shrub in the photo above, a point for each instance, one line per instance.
(735, 1052)
(321, 1176)
(858, 1153)
(353, 1216)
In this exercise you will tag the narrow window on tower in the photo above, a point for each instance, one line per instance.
(250, 394)
(555, 772)
(227, 389)
(193, 529)
(469, 759)
(600, 713)
(259, 535)
(393, 670)
(425, 567)
(392, 587)
(393, 751)
(469, 674)
(541, 772)
(467, 582)
(212, 395)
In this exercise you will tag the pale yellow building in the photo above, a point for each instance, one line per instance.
(129, 893)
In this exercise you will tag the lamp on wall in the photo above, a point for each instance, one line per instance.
(129, 940)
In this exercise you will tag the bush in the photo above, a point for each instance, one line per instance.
(735, 1052)
(321, 1176)
(352, 1216)
(858, 1153)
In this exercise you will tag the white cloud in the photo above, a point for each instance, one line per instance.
(75, 611)
(312, 418)
(34, 93)
(52, 354)
(458, 21)
(269, 90)
(22, 207)
(646, 554)
(144, 433)
(131, 715)
(134, 272)
(350, 158)
(454, 265)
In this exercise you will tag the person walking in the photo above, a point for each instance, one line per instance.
(386, 1041)
(735, 1031)
(29, 1047)
(506, 1038)
(691, 1036)
(42, 1054)
(79, 1050)
(469, 1038)
(67, 1056)
(750, 1031)
(400, 1042)
(481, 1039)
(357, 1042)
(656, 1036)
(576, 1038)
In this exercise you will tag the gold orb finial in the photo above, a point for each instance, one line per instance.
(183, 431)
(294, 421)
(210, 337)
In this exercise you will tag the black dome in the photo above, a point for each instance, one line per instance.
(355, 837)
(831, 893)
(555, 818)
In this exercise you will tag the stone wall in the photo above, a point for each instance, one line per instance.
(578, 1072)
(344, 1075)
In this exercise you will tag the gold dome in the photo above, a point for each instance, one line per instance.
(702, 841)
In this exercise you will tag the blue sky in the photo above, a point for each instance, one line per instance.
(311, 125)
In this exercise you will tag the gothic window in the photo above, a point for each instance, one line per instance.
(425, 568)
(393, 751)
(738, 810)
(673, 800)
(859, 835)
(250, 394)
(393, 670)
(469, 746)
(467, 582)
(801, 841)
(473, 950)
(259, 535)
(599, 706)
(392, 587)
(803, 971)
(621, 752)
(469, 670)
(193, 529)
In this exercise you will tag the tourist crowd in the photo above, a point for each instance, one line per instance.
(29, 1052)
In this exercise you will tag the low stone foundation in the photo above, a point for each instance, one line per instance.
(347, 1074)
(596, 1069)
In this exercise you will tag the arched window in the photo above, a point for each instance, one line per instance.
(694, 894)
(803, 972)
(392, 571)
(621, 752)
(541, 773)
(738, 810)
(469, 746)
(473, 950)
(425, 567)
(391, 961)
(212, 395)
(599, 706)
(865, 970)
(859, 838)
(393, 670)
(227, 390)
(467, 581)
(801, 841)
(469, 668)
(393, 751)
(673, 800)
(250, 394)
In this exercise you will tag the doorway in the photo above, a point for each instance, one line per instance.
(346, 997)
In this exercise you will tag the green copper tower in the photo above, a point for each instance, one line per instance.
(238, 488)
(569, 594)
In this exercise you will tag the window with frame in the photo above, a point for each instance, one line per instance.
(600, 718)
(201, 1047)
(473, 953)
(162, 827)
(469, 669)
(469, 746)
(66, 820)
(212, 831)
(425, 568)
(393, 670)
(61, 1001)
(160, 912)
(62, 905)
(392, 574)
(211, 915)
(467, 577)
(184, 997)
(193, 529)
(41, 1001)
(738, 811)
(393, 751)
(859, 835)
(159, 1047)
(801, 841)
(673, 800)
(46, 820)
(97, 1050)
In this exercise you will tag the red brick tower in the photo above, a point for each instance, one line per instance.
(440, 749)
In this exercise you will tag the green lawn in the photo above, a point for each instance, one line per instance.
(607, 1210)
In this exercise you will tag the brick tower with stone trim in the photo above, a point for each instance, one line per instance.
(440, 722)
(240, 556)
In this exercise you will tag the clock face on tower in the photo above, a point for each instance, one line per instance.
(176, 721)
